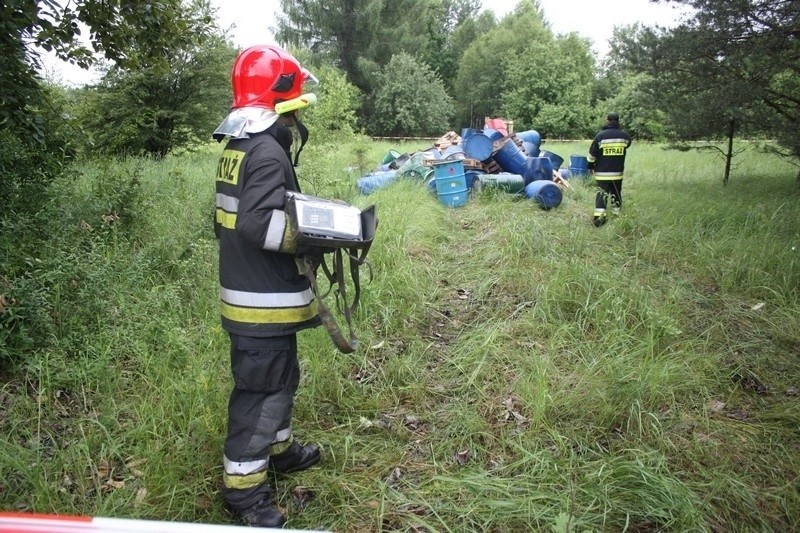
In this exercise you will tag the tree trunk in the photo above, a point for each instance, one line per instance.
(729, 152)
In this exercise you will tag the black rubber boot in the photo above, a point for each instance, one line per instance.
(297, 457)
(262, 514)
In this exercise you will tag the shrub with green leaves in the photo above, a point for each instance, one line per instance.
(410, 99)
(29, 161)
(333, 117)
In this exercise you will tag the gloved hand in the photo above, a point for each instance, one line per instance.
(307, 263)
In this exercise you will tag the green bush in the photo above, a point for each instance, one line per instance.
(24, 316)
(334, 114)
(411, 99)
(29, 164)
(27, 167)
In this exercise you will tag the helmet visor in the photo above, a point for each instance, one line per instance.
(309, 80)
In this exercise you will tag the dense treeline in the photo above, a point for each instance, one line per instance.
(414, 67)
(410, 67)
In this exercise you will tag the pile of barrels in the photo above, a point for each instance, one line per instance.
(483, 159)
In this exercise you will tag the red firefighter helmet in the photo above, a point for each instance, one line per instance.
(263, 75)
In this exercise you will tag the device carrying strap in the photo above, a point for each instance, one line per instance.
(335, 276)
(312, 250)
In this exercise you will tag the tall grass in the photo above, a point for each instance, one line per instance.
(519, 369)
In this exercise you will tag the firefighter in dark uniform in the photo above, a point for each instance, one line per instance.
(607, 164)
(265, 300)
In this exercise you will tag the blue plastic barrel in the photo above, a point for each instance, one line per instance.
(473, 178)
(376, 180)
(564, 173)
(431, 153)
(531, 136)
(451, 183)
(467, 133)
(478, 146)
(546, 193)
(453, 152)
(578, 161)
(511, 158)
(432, 185)
(494, 135)
(555, 158)
(530, 149)
(539, 168)
(578, 166)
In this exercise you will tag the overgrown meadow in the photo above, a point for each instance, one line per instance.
(519, 369)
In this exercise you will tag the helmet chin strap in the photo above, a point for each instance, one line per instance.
(287, 129)
(303, 132)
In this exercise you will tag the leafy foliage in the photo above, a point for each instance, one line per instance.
(28, 161)
(624, 87)
(541, 82)
(441, 50)
(411, 99)
(129, 33)
(480, 77)
(732, 63)
(342, 31)
(640, 109)
(335, 113)
(57, 284)
(495, 64)
(39, 136)
(19, 86)
(551, 94)
(361, 37)
(152, 110)
(25, 171)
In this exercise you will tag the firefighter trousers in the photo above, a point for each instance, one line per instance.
(266, 374)
(607, 189)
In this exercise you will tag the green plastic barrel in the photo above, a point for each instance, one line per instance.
(505, 181)
(390, 156)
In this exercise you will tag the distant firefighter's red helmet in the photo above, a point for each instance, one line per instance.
(264, 75)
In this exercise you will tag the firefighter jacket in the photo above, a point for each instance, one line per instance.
(607, 153)
(262, 292)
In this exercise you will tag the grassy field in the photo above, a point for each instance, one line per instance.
(520, 370)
